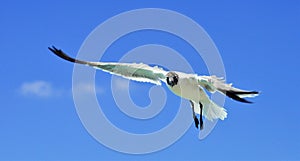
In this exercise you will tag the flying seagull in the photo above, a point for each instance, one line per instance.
(187, 86)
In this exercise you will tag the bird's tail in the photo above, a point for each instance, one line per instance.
(213, 111)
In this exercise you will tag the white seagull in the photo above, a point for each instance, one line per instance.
(187, 86)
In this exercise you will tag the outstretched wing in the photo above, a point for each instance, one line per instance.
(213, 84)
(138, 72)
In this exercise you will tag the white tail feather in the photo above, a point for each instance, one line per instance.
(212, 111)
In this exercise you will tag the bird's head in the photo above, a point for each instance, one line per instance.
(172, 79)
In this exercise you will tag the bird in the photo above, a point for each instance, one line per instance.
(191, 87)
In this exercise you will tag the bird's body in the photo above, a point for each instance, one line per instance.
(187, 86)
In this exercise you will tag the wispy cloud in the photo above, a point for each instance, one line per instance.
(38, 88)
(45, 89)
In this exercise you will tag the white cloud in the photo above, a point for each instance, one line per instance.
(38, 88)
(44, 89)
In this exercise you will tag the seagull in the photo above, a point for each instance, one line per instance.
(187, 86)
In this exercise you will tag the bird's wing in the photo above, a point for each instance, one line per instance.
(213, 84)
(133, 71)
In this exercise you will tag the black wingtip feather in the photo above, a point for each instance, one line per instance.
(245, 92)
(61, 54)
(64, 56)
(234, 95)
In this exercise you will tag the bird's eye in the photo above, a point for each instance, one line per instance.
(170, 81)
(175, 80)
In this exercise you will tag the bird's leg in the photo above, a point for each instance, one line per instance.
(201, 120)
(194, 115)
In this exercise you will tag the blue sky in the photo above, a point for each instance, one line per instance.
(258, 42)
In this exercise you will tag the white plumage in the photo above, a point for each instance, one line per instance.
(188, 86)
